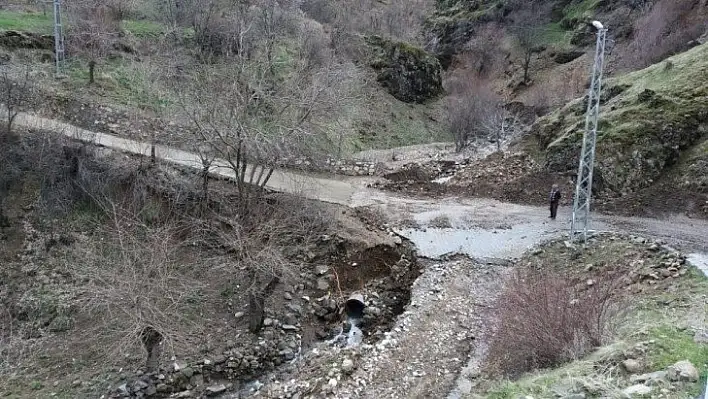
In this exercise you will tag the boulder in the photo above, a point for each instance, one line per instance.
(409, 73)
(683, 371)
(632, 366)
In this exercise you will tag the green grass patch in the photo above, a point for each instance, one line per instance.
(26, 21)
(552, 34)
(144, 28)
(673, 345)
(580, 10)
(125, 82)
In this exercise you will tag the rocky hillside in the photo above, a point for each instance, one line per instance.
(650, 119)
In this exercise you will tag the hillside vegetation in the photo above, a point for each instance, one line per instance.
(649, 119)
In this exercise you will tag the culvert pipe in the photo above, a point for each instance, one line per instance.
(354, 306)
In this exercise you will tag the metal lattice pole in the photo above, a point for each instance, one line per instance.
(583, 190)
(59, 56)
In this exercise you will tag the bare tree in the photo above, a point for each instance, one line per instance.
(139, 291)
(17, 94)
(473, 111)
(527, 30)
(251, 114)
(399, 19)
(498, 124)
(483, 52)
(254, 115)
(94, 28)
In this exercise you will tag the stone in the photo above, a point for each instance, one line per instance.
(215, 389)
(151, 390)
(239, 315)
(322, 284)
(267, 322)
(655, 378)
(347, 366)
(682, 371)
(188, 372)
(632, 366)
(295, 308)
(701, 337)
(637, 390)
(321, 270)
(123, 389)
(289, 327)
(288, 296)
(288, 354)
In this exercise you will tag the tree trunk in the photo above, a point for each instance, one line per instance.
(500, 134)
(256, 305)
(92, 70)
(205, 182)
(4, 221)
(527, 65)
(256, 312)
(152, 340)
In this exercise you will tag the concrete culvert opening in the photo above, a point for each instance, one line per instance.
(354, 307)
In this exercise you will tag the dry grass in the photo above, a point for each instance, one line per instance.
(143, 254)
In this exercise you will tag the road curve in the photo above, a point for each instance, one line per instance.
(689, 234)
(327, 190)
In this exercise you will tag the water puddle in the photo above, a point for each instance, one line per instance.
(700, 261)
(475, 242)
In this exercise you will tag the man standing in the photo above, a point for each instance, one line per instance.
(554, 199)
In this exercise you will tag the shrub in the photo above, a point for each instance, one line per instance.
(545, 318)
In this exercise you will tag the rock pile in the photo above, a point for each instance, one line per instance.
(344, 167)
(215, 374)
(648, 261)
(496, 170)
(659, 383)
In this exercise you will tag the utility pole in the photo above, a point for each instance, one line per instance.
(59, 56)
(583, 190)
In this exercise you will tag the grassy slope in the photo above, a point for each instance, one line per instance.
(642, 133)
(661, 318)
(26, 21)
(378, 121)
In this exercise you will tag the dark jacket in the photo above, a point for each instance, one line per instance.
(555, 195)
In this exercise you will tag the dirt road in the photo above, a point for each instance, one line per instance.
(484, 228)
(327, 190)
(426, 351)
